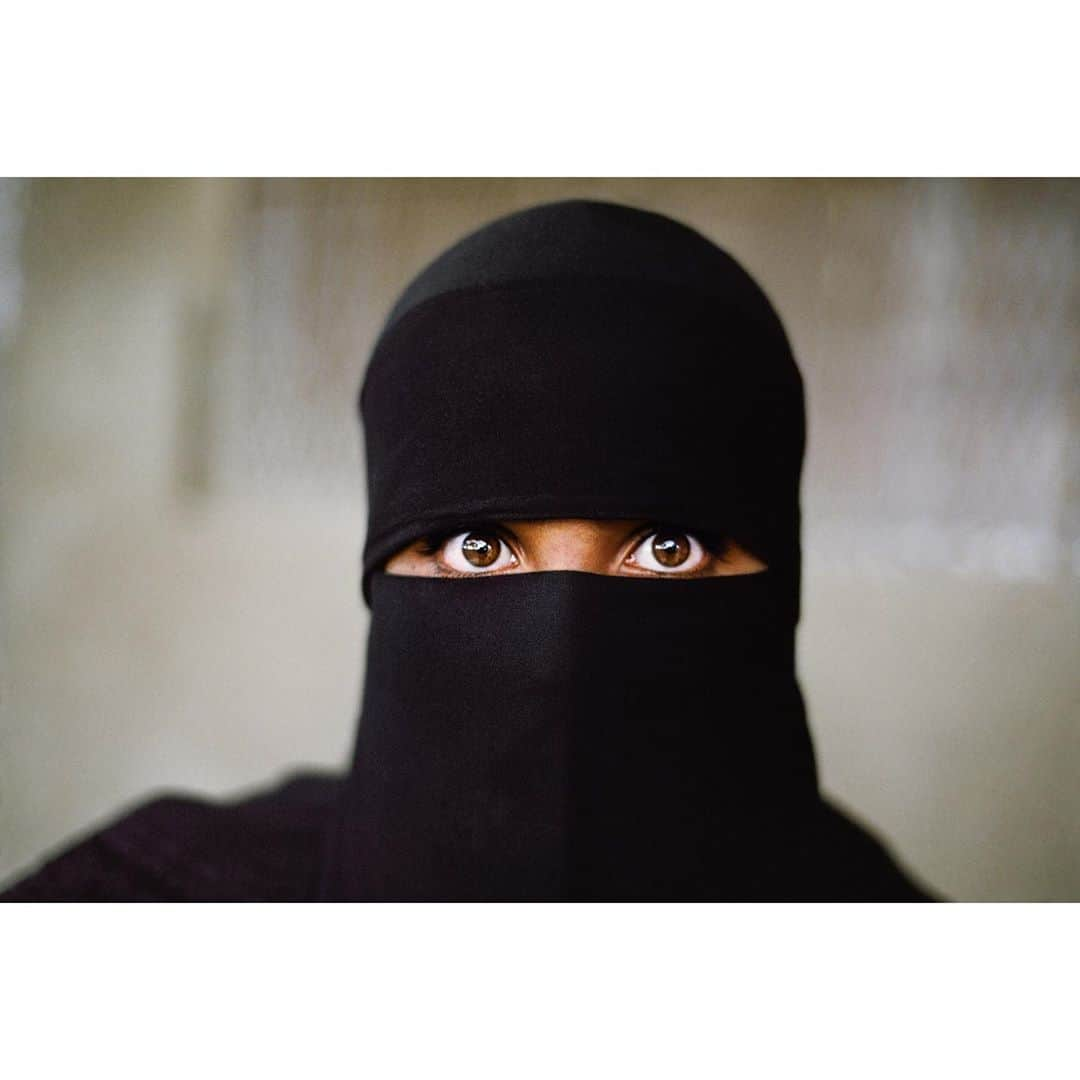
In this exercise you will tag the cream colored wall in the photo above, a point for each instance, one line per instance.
(183, 506)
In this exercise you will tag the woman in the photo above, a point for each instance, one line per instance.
(584, 433)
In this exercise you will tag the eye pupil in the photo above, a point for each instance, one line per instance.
(671, 549)
(480, 550)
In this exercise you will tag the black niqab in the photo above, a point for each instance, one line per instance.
(566, 735)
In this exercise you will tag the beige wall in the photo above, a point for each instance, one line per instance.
(183, 502)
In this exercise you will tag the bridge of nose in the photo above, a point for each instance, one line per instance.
(573, 544)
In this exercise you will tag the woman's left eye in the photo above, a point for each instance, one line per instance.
(476, 552)
(668, 551)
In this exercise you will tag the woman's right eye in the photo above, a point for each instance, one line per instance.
(476, 553)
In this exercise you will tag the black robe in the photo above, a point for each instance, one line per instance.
(270, 847)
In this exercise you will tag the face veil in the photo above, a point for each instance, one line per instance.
(563, 735)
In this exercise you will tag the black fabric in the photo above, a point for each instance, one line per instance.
(581, 240)
(555, 736)
(269, 848)
(266, 847)
(573, 736)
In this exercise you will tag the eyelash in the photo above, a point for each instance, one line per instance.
(433, 542)
(716, 544)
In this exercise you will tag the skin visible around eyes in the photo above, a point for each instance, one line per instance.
(623, 547)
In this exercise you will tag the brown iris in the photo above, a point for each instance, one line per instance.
(480, 550)
(671, 549)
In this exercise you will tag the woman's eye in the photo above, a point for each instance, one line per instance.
(476, 553)
(668, 551)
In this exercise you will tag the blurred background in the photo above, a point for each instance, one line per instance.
(182, 501)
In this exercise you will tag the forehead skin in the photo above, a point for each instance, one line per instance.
(597, 547)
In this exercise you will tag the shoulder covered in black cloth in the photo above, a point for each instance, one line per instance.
(174, 848)
(268, 848)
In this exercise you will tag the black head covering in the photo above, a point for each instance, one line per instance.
(585, 359)
(565, 735)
